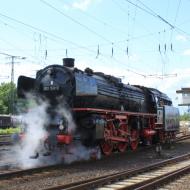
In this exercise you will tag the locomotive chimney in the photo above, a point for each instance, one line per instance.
(68, 62)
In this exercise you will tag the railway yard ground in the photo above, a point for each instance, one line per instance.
(94, 168)
(181, 183)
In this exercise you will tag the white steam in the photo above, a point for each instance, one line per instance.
(78, 152)
(61, 110)
(35, 120)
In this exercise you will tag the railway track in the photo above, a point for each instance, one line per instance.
(5, 140)
(143, 178)
(31, 171)
(184, 137)
(181, 182)
(2, 143)
(100, 181)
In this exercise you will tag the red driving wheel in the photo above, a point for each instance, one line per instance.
(122, 146)
(134, 139)
(107, 147)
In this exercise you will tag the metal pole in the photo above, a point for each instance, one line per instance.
(12, 98)
(12, 86)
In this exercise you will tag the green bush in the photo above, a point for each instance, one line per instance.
(185, 117)
(9, 131)
(6, 90)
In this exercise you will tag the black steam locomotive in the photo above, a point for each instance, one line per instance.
(106, 111)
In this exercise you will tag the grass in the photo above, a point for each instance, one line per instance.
(9, 131)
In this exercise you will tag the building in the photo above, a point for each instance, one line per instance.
(185, 96)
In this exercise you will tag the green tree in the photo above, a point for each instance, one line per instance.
(185, 117)
(7, 97)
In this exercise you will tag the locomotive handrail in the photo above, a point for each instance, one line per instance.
(127, 113)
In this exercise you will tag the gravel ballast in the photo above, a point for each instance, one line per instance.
(95, 168)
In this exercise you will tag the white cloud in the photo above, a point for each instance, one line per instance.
(182, 38)
(82, 4)
(186, 52)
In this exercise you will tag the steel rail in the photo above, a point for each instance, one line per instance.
(5, 136)
(100, 181)
(20, 173)
(5, 140)
(2, 143)
(164, 179)
(185, 137)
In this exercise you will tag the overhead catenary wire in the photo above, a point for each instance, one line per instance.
(45, 32)
(132, 37)
(100, 47)
(76, 46)
(151, 12)
(90, 46)
(36, 38)
(175, 19)
(99, 20)
(125, 11)
(75, 21)
(60, 38)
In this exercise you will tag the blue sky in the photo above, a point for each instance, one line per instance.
(42, 31)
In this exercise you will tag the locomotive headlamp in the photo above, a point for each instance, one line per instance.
(61, 127)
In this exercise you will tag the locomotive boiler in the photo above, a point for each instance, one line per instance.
(106, 111)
